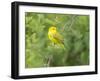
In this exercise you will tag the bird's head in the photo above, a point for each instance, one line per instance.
(52, 29)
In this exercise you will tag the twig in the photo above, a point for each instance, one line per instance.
(73, 20)
(65, 25)
(70, 22)
(49, 60)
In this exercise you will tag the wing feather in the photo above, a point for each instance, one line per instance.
(58, 37)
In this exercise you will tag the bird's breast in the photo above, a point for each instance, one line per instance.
(50, 35)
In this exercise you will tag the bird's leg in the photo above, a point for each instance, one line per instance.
(56, 46)
(53, 44)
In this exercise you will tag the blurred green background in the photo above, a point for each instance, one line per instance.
(39, 52)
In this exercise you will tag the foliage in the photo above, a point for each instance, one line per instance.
(40, 52)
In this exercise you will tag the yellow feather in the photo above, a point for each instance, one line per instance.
(55, 37)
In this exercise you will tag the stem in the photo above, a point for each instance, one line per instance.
(70, 22)
(49, 60)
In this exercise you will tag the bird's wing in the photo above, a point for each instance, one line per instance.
(58, 37)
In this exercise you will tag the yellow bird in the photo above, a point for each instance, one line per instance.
(55, 37)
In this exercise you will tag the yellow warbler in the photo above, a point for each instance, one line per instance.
(55, 37)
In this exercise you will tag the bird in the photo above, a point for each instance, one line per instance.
(55, 37)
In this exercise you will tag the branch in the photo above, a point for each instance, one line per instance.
(71, 21)
(49, 60)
